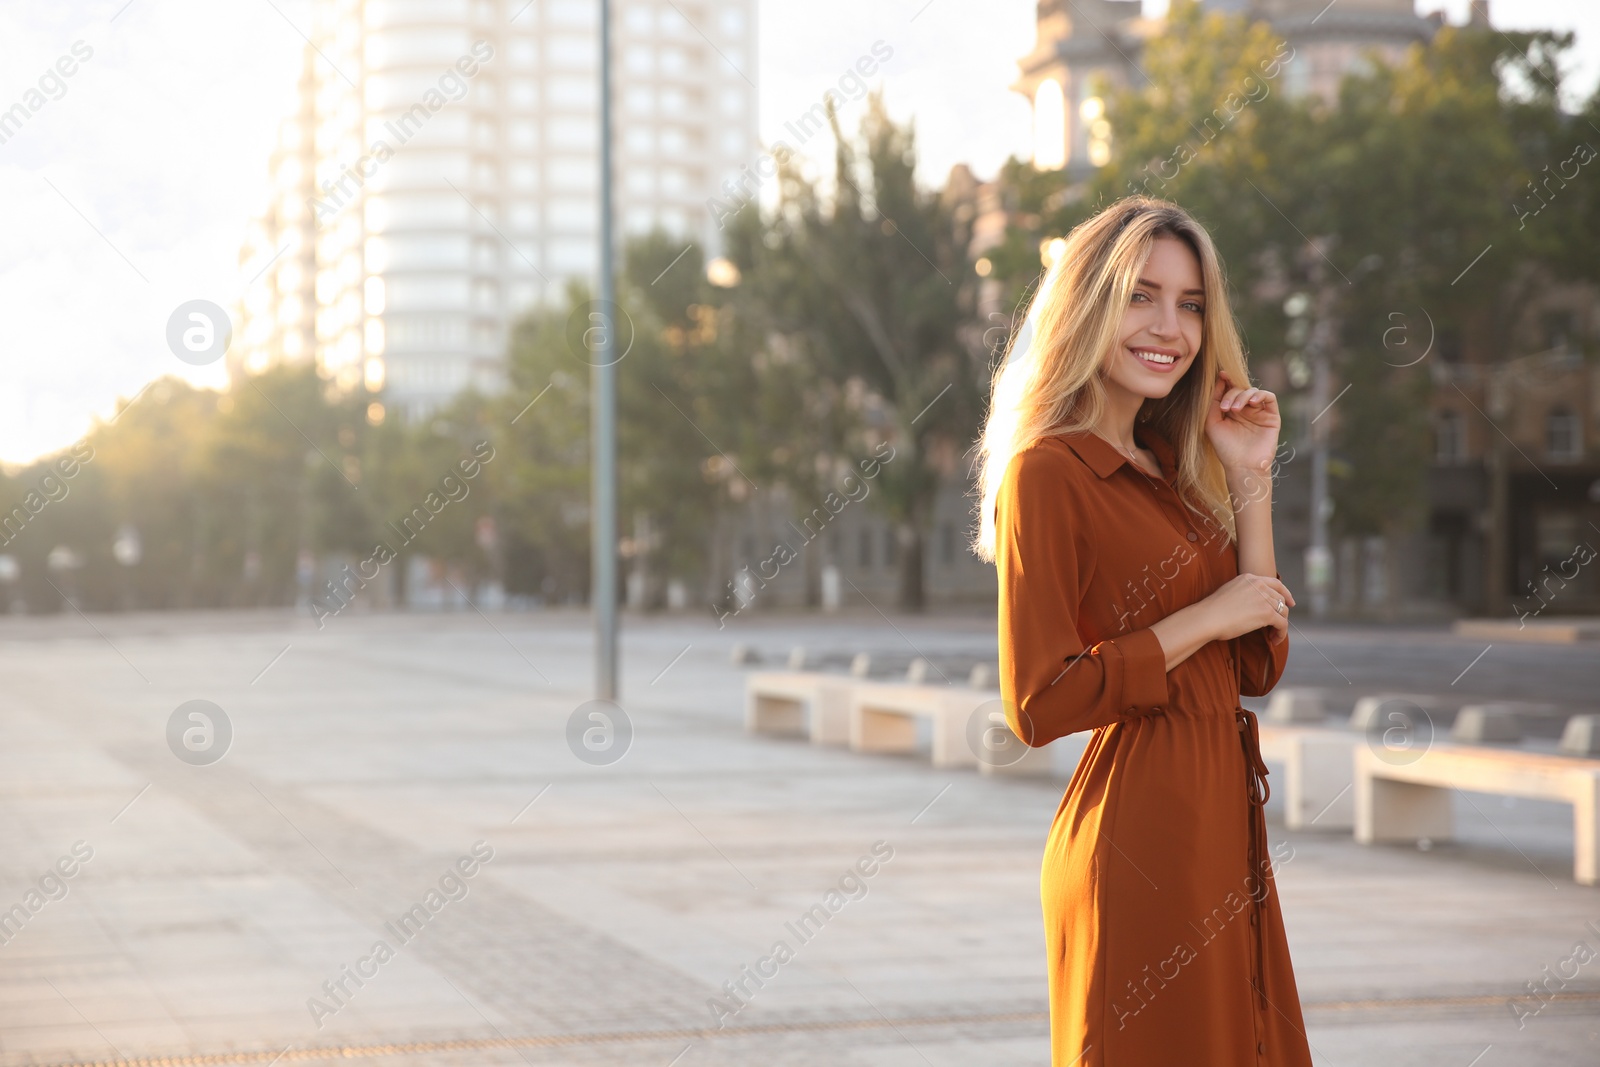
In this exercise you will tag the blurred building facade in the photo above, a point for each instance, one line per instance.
(1082, 43)
(1514, 487)
(439, 176)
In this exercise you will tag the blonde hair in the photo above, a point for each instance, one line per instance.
(1052, 379)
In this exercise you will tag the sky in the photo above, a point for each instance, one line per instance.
(129, 192)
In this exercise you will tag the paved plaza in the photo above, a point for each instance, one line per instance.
(401, 857)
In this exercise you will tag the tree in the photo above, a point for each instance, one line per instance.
(873, 286)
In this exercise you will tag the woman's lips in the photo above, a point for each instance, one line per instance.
(1154, 359)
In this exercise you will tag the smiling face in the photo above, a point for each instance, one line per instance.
(1162, 325)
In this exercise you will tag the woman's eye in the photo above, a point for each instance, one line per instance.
(1196, 308)
(1140, 296)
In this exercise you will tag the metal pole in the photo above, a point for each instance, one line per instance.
(603, 592)
(1319, 560)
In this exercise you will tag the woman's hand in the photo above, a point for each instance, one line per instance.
(1242, 425)
(1249, 602)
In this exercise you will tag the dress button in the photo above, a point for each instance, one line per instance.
(1252, 918)
(1193, 536)
(1261, 1048)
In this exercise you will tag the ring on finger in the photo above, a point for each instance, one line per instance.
(1281, 609)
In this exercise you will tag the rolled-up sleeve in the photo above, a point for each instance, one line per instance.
(1051, 682)
(1261, 662)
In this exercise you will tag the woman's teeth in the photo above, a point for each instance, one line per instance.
(1154, 357)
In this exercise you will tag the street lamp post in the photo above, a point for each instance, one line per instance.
(603, 592)
(1319, 559)
(127, 549)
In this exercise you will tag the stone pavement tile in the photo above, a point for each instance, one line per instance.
(372, 754)
(1478, 1040)
(1369, 922)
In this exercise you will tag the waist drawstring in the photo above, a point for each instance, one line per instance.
(1258, 791)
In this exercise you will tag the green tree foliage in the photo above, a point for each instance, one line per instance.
(542, 475)
(870, 288)
(223, 492)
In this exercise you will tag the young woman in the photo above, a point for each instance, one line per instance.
(1127, 504)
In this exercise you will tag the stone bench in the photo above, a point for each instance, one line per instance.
(1058, 759)
(884, 718)
(799, 704)
(1409, 801)
(1318, 772)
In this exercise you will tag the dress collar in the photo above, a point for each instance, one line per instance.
(1103, 458)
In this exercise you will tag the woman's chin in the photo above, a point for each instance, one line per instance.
(1147, 386)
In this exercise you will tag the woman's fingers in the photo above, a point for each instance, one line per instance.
(1237, 399)
(1272, 584)
(1252, 602)
(1273, 592)
(1282, 590)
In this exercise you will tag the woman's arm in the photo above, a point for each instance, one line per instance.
(1251, 491)
(1052, 681)
(1243, 429)
(1244, 605)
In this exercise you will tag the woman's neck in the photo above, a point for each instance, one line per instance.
(1116, 421)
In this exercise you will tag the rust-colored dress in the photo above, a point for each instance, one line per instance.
(1164, 937)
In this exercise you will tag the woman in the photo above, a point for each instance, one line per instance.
(1127, 503)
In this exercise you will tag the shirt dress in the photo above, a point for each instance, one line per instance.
(1164, 936)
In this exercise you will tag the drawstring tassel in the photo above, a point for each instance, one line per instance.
(1258, 790)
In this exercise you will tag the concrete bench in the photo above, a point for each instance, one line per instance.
(1291, 705)
(1581, 737)
(884, 718)
(1318, 771)
(1001, 752)
(800, 704)
(1394, 711)
(1058, 759)
(1411, 801)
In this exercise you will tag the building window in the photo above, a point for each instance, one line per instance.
(947, 544)
(1563, 435)
(1449, 438)
(889, 546)
(864, 548)
(1296, 76)
(1450, 344)
(1558, 330)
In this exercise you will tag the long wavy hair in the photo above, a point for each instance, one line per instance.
(1052, 379)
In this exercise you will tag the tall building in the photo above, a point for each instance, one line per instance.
(441, 175)
(278, 255)
(1084, 43)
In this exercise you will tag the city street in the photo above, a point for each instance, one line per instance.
(411, 780)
